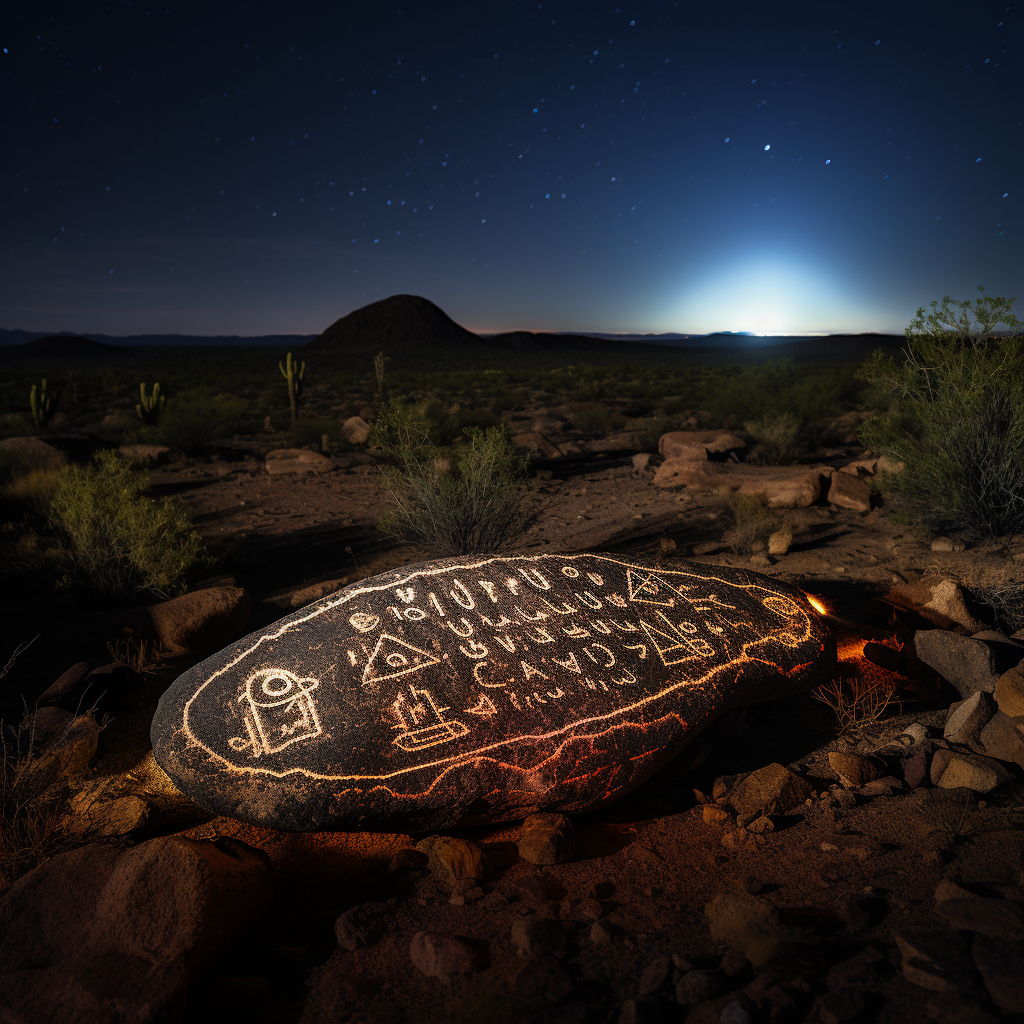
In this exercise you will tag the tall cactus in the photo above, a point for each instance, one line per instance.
(43, 405)
(149, 408)
(293, 372)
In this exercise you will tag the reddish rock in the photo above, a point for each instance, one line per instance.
(696, 445)
(199, 622)
(297, 460)
(118, 934)
(784, 486)
(937, 599)
(849, 491)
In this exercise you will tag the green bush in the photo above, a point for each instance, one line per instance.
(193, 422)
(955, 419)
(122, 543)
(776, 439)
(466, 500)
(596, 420)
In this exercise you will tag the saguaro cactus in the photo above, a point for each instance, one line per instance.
(149, 408)
(293, 372)
(43, 405)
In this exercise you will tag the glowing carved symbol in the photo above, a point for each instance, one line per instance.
(669, 641)
(363, 621)
(647, 588)
(781, 605)
(393, 657)
(410, 712)
(279, 711)
(484, 707)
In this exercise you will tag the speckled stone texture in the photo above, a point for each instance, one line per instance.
(480, 689)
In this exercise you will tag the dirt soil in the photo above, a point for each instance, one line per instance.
(644, 869)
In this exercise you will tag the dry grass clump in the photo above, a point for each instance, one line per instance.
(33, 490)
(856, 700)
(999, 588)
(752, 521)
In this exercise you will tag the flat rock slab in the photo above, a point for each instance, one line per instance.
(480, 689)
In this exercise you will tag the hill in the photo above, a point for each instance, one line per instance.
(396, 323)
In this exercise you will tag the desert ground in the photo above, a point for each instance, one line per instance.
(878, 895)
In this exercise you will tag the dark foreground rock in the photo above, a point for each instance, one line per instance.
(113, 934)
(480, 689)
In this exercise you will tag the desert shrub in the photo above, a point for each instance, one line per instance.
(812, 395)
(193, 422)
(33, 490)
(752, 521)
(509, 401)
(856, 700)
(466, 500)
(776, 439)
(596, 420)
(674, 405)
(955, 419)
(122, 543)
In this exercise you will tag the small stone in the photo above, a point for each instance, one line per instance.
(779, 542)
(356, 430)
(915, 769)
(733, 964)
(546, 839)
(751, 926)
(1001, 919)
(199, 622)
(407, 860)
(667, 545)
(952, 770)
(853, 915)
(999, 964)
(967, 718)
(853, 770)
(1009, 692)
(947, 889)
(967, 663)
(696, 987)
(599, 934)
(936, 960)
(849, 491)
(761, 826)
(66, 687)
(590, 909)
(358, 926)
(772, 789)
(451, 858)
(938, 599)
(102, 811)
(942, 544)
(444, 956)
(734, 1013)
(1003, 738)
(713, 814)
(913, 735)
(297, 460)
(538, 935)
(640, 461)
(654, 976)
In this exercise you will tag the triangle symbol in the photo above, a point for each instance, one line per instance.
(648, 588)
(393, 657)
(666, 644)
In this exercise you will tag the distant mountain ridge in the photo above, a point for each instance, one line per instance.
(411, 323)
(17, 337)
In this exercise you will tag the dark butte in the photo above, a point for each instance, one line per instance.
(480, 689)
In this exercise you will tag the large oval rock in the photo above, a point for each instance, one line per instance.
(480, 689)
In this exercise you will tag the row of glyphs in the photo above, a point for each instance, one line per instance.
(550, 646)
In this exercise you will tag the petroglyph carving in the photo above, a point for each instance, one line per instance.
(465, 676)
(279, 711)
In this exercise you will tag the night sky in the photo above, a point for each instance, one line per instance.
(248, 168)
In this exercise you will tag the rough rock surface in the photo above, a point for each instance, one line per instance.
(772, 789)
(849, 491)
(199, 622)
(480, 689)
(355, 430)
(695, 445)
(28, 453)
(785, 486)
(297, 460)
(967, 663)
(119, 934)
